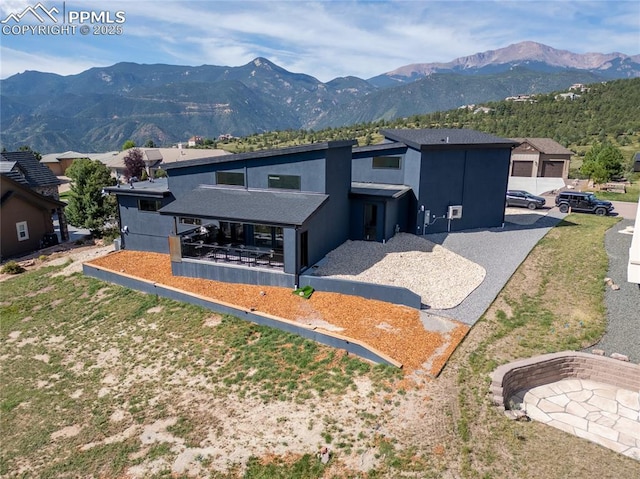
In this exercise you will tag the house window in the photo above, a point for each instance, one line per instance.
(229, 178)
(387, 162)
(149, 205)
(267, 236)
(190, 221)
(23, 231)
(285, 182)
(230, 233)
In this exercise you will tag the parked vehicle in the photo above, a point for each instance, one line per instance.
(583, 202)
(524, 199)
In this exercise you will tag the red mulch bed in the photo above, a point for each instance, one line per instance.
(391, 329)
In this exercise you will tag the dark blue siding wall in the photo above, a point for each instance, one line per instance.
(412, 170)
(184, 180)
(485, 186)
(397, 213)
(329, 227)
(362, 167)
(474, 178)
(148, 231)
(309, 166)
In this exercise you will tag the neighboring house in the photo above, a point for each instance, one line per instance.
(156, 158)
(265, 217)
(540, 157)
(59, 162)
(636, 162)
(26, 216)
(194, 141)
(24, 168)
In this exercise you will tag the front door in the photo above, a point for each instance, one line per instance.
(370, 222)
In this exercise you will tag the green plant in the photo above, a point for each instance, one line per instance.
(12, 267)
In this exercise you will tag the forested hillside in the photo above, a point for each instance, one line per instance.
(604, 111)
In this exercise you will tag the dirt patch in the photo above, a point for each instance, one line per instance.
(405, 339)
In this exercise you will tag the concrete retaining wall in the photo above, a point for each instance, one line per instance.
(389, 294)
(324, 337)
(510, 378)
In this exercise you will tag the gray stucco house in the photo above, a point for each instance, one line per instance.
(265, 217)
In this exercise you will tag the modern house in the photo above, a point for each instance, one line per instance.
(27, 205)
(265, 217)
(540, 157)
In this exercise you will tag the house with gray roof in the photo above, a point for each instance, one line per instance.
(265, 217)
(29, 201)
(540, 157)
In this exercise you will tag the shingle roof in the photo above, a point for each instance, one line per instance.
(546, 145)
(35, 173)
(251, 206)
(24, 191)
(446, 138)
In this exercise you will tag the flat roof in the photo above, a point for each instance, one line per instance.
(274, 207)
(379, 189)
(260, 154)
(442, 138)
(158, 187)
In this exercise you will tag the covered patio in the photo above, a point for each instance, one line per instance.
(232, 231)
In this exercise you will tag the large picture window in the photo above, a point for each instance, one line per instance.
(229, 178)
(23, 230)
(149, 205)
(386, 162)
(285, 182)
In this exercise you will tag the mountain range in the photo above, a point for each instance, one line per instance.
(100, 108)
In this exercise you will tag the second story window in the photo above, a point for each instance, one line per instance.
(387, 162)
(285, 182)
(149, 205)
(229, 178)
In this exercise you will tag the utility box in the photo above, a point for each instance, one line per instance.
(454, 212)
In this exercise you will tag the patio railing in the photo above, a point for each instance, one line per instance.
(239, 254)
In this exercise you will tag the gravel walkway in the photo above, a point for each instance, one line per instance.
(623, 306)
(499, 251)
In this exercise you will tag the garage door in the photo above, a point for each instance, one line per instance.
(552, 169)
(522, 168)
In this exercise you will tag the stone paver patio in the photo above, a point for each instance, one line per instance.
(595, 411)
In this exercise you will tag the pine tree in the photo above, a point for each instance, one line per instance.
(88, 206)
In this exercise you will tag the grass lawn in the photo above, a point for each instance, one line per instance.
(101, 381)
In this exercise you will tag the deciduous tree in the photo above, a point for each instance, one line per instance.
(134, 163)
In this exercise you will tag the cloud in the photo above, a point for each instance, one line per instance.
(328, 39)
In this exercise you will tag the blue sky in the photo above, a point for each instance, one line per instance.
(326, 39)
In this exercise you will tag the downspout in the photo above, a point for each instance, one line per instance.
(297, 262)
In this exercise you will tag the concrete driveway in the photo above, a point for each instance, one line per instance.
(625, 209)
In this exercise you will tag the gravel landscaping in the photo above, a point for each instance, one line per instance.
(440, 277)
(623, 305)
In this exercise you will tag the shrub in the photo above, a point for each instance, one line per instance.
(12, 268)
